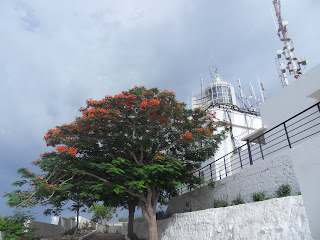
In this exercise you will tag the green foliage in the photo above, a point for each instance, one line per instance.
(101, 212)
(14, 227)
(72, 217)
(211, 183)
(283, 191)
(123, 219)
(188, 207)
(259, 196)
(217, 203)
(160, 215)
(139, 219)
(238, 200)
(70, 231)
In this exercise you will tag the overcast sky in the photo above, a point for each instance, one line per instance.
(56, 54)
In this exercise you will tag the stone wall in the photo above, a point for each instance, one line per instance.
(278, 218)
(264, 175)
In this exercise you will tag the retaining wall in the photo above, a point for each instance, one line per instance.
(52, 230)
(264, 175)
(278, 218)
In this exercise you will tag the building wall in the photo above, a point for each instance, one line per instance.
(280, 218)
(242, 125)
(264, 175)
(306, 162)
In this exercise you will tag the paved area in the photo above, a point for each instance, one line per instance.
(106, 236)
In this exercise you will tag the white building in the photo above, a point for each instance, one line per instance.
(220, 97)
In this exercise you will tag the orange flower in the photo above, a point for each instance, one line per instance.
(72, 151)
(144, 104)
(154, 101)
(187, 135)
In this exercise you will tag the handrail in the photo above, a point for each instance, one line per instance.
(287, 136)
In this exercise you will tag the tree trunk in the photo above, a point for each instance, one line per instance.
(152, 224)
(78, 209)
(132, 208)
(148, 207)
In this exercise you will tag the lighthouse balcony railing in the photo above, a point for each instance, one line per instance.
(286, 135)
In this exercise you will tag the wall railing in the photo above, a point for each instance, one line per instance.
(285, 135)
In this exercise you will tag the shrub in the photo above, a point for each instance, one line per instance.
(188, 207)
(161, 215)
(238, 200)
(70, 231)
(72, 218)
(259, 196)
(283, 191)
(139, 219)
(14, 227)
(217, 203)
(211, 183)
(123, 219)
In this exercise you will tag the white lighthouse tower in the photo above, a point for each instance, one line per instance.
(220, 97)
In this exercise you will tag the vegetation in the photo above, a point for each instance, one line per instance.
(123, 219)
(161, 215)
(259, 196)
(217, 203)
(139, 219)
(72, 217)
(238, 200)
(188, 207)
(101, 212)
(283, 191)
(142, 142)
(211, 183)
(14, 227)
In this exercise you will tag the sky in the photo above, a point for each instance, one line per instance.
(56, 54)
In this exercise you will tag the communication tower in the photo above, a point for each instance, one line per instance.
(293, 64)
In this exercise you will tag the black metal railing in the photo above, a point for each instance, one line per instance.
(285, 135)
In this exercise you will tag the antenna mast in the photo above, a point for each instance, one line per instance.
(201, 82)
(293, 64)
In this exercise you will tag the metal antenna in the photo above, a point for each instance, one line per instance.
(201, 82)
(260, 87)
(211, 73)
(293, 65)
(241, 93)
(264, 92)
(254, 94)
(215, 70)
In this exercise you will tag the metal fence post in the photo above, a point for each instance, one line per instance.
(318, 106)
(285, 128)
(260, 147)
(249, 152)
(210, 170)
(240, 157)
(225, 166)
(200, 177)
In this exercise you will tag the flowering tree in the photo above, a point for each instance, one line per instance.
(142, 142)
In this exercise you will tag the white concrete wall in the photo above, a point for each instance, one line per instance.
(264, 175)
(292, 99)
(52, 230)
(306, 162)
(279, 218)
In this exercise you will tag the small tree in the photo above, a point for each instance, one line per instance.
(16, 227)
(101, 212)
